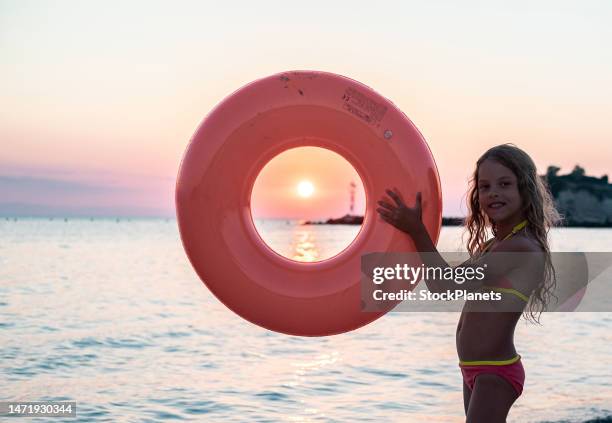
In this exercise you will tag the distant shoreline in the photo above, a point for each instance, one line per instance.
(446, 221)
(355, 220)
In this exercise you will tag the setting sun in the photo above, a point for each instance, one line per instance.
(305, 189)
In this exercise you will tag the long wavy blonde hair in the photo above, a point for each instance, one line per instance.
(539, 211)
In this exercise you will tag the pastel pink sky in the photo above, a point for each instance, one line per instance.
(100, 99)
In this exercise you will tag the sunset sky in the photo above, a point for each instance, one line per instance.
(277, 192)
(99, 99)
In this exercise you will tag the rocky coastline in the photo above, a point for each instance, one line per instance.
(582, 200)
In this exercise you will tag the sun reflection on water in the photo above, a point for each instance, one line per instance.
(304, 245)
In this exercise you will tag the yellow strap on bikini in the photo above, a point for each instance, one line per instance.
(491, 362)
(514, 231)
(508, 291)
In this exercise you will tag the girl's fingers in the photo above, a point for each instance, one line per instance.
(384, 213)
(398, 193)
(386, 205)
(395, 197)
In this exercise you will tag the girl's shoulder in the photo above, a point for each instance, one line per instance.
(519, 243)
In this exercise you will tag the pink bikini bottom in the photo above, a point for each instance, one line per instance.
(511, 370)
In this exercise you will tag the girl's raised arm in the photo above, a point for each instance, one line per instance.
(409, 220)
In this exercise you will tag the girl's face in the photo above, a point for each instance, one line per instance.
(498, 193)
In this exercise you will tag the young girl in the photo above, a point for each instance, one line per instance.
(507, 195)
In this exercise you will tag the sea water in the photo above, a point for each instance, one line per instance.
(110, 314)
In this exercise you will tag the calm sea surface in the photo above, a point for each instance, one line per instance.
(110, 314)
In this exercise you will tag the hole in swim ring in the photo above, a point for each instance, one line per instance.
(308, 204)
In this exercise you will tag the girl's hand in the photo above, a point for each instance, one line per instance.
(404, 218)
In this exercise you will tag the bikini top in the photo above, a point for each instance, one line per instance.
(504, 285)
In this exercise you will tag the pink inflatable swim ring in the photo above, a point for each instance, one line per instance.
(229, 149)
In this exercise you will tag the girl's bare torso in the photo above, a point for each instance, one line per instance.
(485, 330)
(486, 335)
